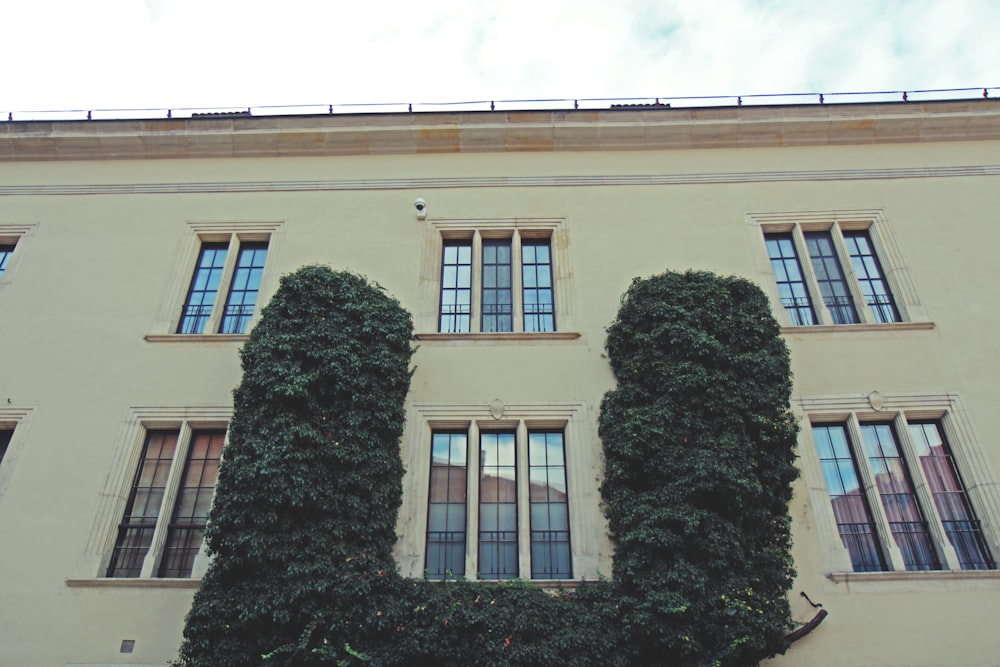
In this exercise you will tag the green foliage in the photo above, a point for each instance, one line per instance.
(699, 449)
(698, 442)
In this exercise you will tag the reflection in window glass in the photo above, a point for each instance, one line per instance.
(960, 523)
(6, 250)
(194, 500)
(498, 306)
(536, 281)
(446, 508)
(550, 548)
(497, 506)
(204, 286)
(243, 290)
(788, 276)
(892, 480)
(456, 287)
(830, 277)
(850, 507)
(870, 277)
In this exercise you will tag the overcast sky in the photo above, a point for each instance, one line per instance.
(127, 54)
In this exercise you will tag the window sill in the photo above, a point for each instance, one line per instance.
(195, 338)
(926, 575)
(133, 582)
(844, 328)
(501, 337)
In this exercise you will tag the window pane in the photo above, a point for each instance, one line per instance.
(497, 506)
(446, 519)
(5, 438)
(243, 290)
(135, 532)
(960, 523)
(204, 285)
(830, 277)
(194, 500)
(456, 287)
(870, 277)
(906, 521)
(850, 507)
(497, 294)
(549, 510)
(788, 276)
(536, 279)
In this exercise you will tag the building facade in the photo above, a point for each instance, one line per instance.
(136, 254)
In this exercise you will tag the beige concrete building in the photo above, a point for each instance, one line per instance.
(136, 254)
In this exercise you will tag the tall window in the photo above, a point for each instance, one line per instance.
(497, 285)
(843, 271)
(159, 486)
(536, 282)
(521, 520)
(243, 290)
(895, 488)
(898, 458)
(550, 549)
(850, 507)
(498, 291)
(950, 498)
(6, 250)
(446, 518)
(788, 274)
(830, 277)
(497, 506)
(215, 273)
(868, 270)
(456, 287)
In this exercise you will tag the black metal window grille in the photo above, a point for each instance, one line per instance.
(497, 506)
(895, 488)
(6, 250)
(456, 287)
(788, 275)
(830, 276)
(549, 506)
(850, 506)
(498, 305)
(5, 437)
(135, 532)
(871, 277)
(446, 512)
(950, 498)
(194, 500)
(536, 286)
(203, 290)
(243, 290)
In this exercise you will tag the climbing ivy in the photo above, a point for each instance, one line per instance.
(699, 449)
(698, 444)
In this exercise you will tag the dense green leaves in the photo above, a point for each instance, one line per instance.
(699, 448)
(698, 443)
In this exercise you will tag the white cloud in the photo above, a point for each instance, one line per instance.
(181, 53)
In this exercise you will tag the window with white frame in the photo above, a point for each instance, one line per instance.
(515, 503)
(164, 517)
(829, 268)
(898, 495)
(222, 294)
(496, 280)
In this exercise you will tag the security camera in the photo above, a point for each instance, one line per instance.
(421, 207)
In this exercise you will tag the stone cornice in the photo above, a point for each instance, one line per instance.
(501, 131)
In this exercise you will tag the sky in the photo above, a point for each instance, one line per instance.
(159, 54)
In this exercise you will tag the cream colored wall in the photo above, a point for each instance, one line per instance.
(96, 270)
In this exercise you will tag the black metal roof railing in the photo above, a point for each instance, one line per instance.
(553, 104)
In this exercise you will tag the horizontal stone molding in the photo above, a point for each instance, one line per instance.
(498, 181)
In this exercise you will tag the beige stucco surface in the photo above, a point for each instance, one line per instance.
(105, 249)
